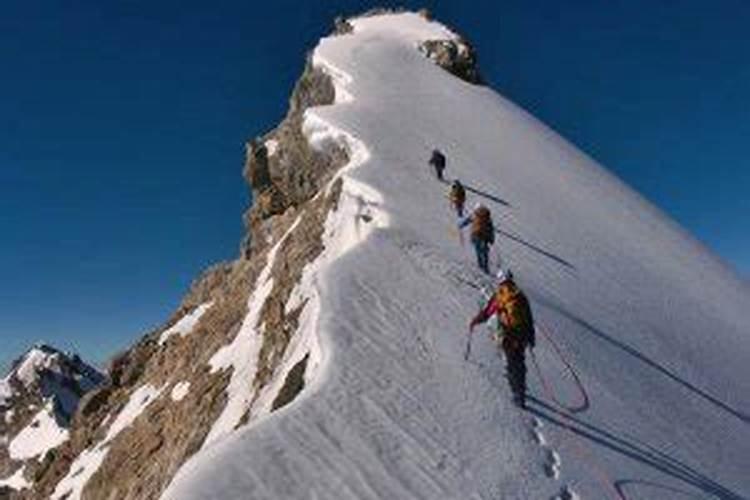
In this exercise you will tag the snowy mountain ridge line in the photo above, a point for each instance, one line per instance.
(327, 360)
(244, 349)
(395, 413)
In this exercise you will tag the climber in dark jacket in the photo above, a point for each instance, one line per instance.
(437, 160)
(482, 234)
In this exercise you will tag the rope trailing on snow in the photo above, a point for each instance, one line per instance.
(584, 404)
(578, 448)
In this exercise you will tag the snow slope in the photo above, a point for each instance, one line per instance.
(643, 334)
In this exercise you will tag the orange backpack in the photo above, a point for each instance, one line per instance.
(514, 312)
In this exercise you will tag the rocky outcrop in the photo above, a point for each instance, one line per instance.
(457, 57)
(281, 167)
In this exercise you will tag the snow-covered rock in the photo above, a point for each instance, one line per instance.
(55, 375)
(185, 325)
(179, 391)
(17, 481)
(41, 434)
(38, 398)
(88, 462)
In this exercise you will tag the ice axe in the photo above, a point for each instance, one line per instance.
(468, 345)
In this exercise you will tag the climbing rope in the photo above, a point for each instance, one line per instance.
(578, 447)
(569, 368)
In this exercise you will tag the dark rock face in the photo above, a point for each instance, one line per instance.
(457, 57)
(293, 384)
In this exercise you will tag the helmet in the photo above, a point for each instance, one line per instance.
(504, 275)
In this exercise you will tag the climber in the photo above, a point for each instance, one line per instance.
(515, 330)
(457, 195)
(437, 160)
(482, 234)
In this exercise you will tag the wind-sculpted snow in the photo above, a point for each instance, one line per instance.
(641, 386)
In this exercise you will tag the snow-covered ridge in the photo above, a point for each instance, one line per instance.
(394, 410)
(43, 360)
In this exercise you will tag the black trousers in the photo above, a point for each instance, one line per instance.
(515, 366)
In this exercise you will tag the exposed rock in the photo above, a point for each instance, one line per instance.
(342, 26)
(293, 385)
(300, 247)
(295, 172)
(455, 56)
(93, 401)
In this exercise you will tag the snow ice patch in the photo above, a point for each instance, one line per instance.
(409, 27)
(34, 361)
(180, 390)
(139, 401)
(186, 324)
(43, 433)
(16, 481)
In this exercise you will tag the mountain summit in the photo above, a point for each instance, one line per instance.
(327, 361)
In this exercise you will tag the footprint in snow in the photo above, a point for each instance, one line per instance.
(566, 493)
(536, 432)
(539, 438)
(553, 463)
(552, 467)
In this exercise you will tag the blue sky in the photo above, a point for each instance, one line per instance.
(122, 127)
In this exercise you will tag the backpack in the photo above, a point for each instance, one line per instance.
(514, 312)
(458, 194)
(482, 227)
